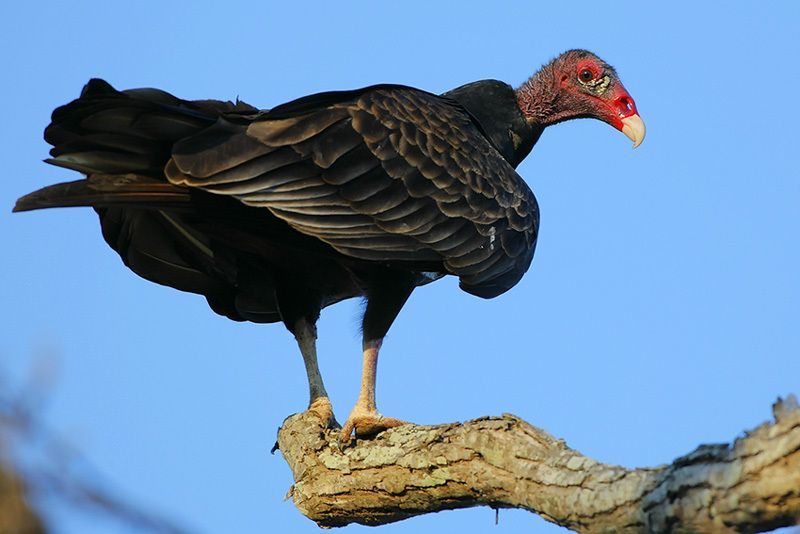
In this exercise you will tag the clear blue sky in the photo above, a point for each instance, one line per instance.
(661, 310)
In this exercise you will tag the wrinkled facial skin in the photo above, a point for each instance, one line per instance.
(577, 84)
(593, 79)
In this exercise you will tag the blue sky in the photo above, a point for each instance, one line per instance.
(660, 312)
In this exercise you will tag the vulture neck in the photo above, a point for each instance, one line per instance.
(539, 99)
(492, 104)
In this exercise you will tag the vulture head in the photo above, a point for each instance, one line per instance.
(578, 84)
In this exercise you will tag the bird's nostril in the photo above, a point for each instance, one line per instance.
(625, 106)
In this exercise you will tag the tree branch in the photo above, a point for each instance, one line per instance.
(503, 462)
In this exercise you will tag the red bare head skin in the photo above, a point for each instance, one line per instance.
(578, 84)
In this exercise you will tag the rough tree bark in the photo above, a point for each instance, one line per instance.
(751, 485)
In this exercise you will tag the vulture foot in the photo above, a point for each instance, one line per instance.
(322, 408)
(366, 425)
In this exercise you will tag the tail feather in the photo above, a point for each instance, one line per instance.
(122, 141)
(108, 162)
(70, 142)
(110, 131)
(102, 190)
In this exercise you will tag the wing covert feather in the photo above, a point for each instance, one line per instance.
(393, 175)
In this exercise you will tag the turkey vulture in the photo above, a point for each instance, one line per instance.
(275, 214)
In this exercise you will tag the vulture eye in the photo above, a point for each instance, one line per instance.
(586, 75)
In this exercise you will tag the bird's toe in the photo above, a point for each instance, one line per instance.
(322, 408)
(367, 425)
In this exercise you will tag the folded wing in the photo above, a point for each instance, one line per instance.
(388, 174)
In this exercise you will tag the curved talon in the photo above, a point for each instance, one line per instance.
(345, 434)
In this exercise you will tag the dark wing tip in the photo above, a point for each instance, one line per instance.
(50, 196)
(28, 202)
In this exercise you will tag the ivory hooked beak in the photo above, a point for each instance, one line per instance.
(633, 127)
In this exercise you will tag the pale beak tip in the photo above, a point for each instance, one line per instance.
(633, 127)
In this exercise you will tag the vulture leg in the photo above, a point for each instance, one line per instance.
(305, 332)
(299, 308)
(385, 298)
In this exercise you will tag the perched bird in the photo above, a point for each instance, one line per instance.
(273, 215)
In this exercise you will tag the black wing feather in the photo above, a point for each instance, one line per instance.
(388, 174)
